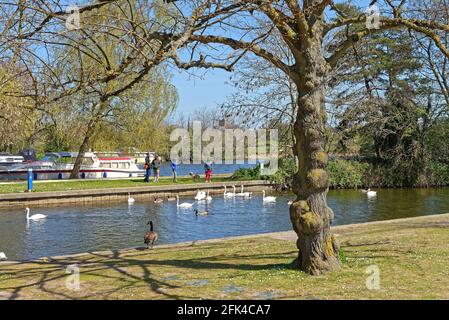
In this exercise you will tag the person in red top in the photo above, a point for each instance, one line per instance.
(208, 172)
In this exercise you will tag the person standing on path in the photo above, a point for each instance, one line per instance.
(147, 167)
(208, 172)
(174, 168)
(156, 168)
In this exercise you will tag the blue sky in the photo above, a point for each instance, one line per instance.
(197, 93)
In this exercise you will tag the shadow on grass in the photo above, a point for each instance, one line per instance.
(120, 271)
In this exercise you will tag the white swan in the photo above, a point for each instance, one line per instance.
(201, 195)
(268, 199)
(243, 194)
(208, 198)
(370, 193)
(290, 202)
(3, 256)
(35, 216)
(227, 194)
(130, 200)
(184, 204)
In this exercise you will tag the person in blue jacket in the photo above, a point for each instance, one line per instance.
(174, 168)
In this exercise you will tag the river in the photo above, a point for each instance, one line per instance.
(73, 229)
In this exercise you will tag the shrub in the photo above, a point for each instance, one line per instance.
(348, 173)
(247, 173)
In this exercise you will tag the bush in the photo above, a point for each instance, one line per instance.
(439, 174)
(283, 177)
(347, 173)
(247, 173)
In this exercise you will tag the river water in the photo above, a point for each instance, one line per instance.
(93, 227)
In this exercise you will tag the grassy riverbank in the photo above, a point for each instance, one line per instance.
(67, 185)
(412, 255)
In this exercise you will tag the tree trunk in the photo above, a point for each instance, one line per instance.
(310, 215)
(82, 150)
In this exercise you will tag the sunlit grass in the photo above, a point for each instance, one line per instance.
(42, 186)
(413, 259)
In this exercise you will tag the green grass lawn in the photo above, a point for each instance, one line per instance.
(412, 256)
(41, 186)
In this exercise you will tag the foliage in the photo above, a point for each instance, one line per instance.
(347, 174)
(16, 117)
(284, 175)
(247, 173)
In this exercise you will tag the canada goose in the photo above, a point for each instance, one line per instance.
(269, 198)
(158, 200)
(3, 256)
(183, 205)
(227, 194)
(243, 194)
(370, 193)
(201, 213)
(201, 195)
(208, 197)
(151, 236)
(130, 200)
(35, 216)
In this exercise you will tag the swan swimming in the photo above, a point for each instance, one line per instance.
(243, 194)
(267, 199)
(130, 200)
(208, 198)
(227, 194)
(370, 193)
(34, 217)
(201, 195)
(184, 204)
(3, 256)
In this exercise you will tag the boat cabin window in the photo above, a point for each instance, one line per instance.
(124, 165)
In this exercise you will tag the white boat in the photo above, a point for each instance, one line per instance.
(59, 165)
(7, 159)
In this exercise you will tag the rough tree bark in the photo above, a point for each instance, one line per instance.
(309, 214)
(90, 131)
(75, 174)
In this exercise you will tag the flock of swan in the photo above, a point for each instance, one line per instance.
(201, 196)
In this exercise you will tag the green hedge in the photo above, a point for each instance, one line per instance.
(348, 174)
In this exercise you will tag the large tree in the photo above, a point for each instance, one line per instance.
(303, 26)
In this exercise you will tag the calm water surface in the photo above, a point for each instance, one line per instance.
(74, 229)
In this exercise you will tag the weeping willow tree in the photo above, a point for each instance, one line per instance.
(17, 117)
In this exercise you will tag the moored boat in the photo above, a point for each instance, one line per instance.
(59, 165)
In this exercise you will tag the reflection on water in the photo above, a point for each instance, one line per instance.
(93, 227)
